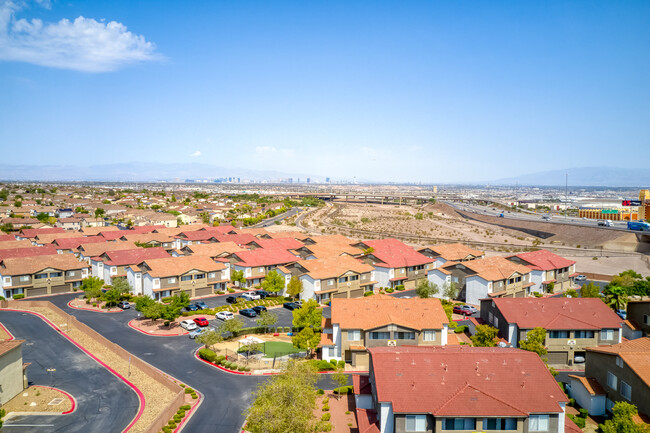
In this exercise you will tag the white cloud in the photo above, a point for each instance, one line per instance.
(196, 154)
(83, 44)
(265, 149)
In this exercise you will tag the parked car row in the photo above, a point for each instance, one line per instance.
(465, 310)
(292, 305)
(248, 296)
(200, 305)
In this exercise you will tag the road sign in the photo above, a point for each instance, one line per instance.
(610, 211)
(631, 203)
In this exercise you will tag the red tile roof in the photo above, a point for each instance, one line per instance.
(240, 239)
(30, 233)
(133, 256)
(45, 250)
(635, 353)
(5, 238)
(544, 260)
(198, 235)
(395, 254)
(468, 381)
(284, 243)
(113, 234)
(73, 243)
(264, 257)
(558, 313)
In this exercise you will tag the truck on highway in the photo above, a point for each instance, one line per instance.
(605, 223)
(636, 225)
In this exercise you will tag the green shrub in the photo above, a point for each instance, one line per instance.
(572, 402)
(171, 423)
(181, 413)
(326, 416)
(399, 287)
(326, 400)
(241, 368)
(219, 359)
(231, 290)
(188, 390)
(208, 355)
(247, 368)
(325, 426)
(389, 290)
(333, 362)
(323, 365)
(19, 296)
(320, 392)
(370, 293)
(94, 303)
(341, 364)
(580, 422)
(584, 413)
(186, 407)
(166, 300)
(343, 390)
(177, 418)
(460, 329)
(166, 429)
(287, 329)
(326, 408)
(194, 396)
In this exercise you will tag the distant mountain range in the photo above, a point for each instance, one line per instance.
(584, 176)
(139, 172)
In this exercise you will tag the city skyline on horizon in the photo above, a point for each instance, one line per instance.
(465, 92)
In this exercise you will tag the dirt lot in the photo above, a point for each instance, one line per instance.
(343, 418)
(38, 399)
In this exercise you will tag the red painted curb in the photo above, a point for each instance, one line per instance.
(225, 370)
(91, 309)
(151, 334)
(115, 373)
(71, 398)
(11, 336)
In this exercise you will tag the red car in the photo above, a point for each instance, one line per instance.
(465, 310)
(201, 321)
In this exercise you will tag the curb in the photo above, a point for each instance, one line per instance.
(151, 334)
(11, 336)
(115, 373)
(70, 397)
(91, 309)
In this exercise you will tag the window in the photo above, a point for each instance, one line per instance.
(24, 278)
(261, 269)
(611, 380)
(538, 423)
(607, 334)
(496, 322)
(40, 276)
(499, 424)
(646, 319)
(70, 274)
(558, 334)
(354, 277)
(56, 274)
(619, 361)
(429, 335)
(626, 390)
(171, 280)
(199, 276)
(405, 335)
(330, 282)
(416, 422)
(459, 424)
(354, 335)
(343, 279)
(7, 280)
(212, 275)
(379, 335)
(186, 277)
(584, 334)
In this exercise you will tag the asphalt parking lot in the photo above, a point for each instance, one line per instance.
(285, 317)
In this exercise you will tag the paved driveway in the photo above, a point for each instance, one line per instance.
(104, 402)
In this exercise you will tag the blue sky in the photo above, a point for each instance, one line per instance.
(427, 91)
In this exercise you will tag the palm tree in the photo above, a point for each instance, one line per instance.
(616, 297)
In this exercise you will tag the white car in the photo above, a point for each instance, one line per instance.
(252, 295)
(580, 278)
(188, 324)
(224, 315)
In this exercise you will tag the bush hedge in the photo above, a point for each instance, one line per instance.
(343, 390)
(460, 329)
(584, 413)
(326, 416)
(208, 355)
(369, 293)
(399, 287)
(19, 296)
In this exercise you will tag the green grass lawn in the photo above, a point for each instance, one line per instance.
(282, 348)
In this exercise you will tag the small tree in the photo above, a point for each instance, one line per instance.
(450, 290)
(142, 302)
(111, 297)
(153, 311)
(622, 422)
(589, 291)
(534, 342)
(99, 212)
(485, 336)
(294, 288)
(273, 282)
(267, 319)
(340, 378)
(616, 297)
(426, 289)
(308, 316)
(92, 287)
(571, 293)
(249, 348)
(121, 285)
(232, 326)
(209, 338)
(306, 339)
(237, 277)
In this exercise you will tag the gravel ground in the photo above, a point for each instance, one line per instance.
(3, 334)
(156, 397)
(36, 399)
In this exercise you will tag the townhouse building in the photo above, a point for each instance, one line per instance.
(617, 373)
(46, 250)
(194, 275)
(571, 324)
(456, 252)
(395, 262)
(41, 275)
(256, 264)
(333, 277)
(71, 245)
(113, 263)
(194, 237)
(359, 324)
(150, 240)
(212, 250)
(548, 270)
(71, 223)
(452, 388)
(482, 278)
(86, 251)
(30, 234)
(638, 313)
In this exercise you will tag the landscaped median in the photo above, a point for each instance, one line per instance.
(40, 400)
(160, 397)
(84, 304)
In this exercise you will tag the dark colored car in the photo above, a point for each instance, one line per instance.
(248, 312)
(191, 308)
(259, 309)
(291, 306)
(231, 300)
(124, 305)
(201, 321)
(263, 294)
(201, 305)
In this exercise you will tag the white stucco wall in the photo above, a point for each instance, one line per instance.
(475, 288)
(594, 404)
(386, 417)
